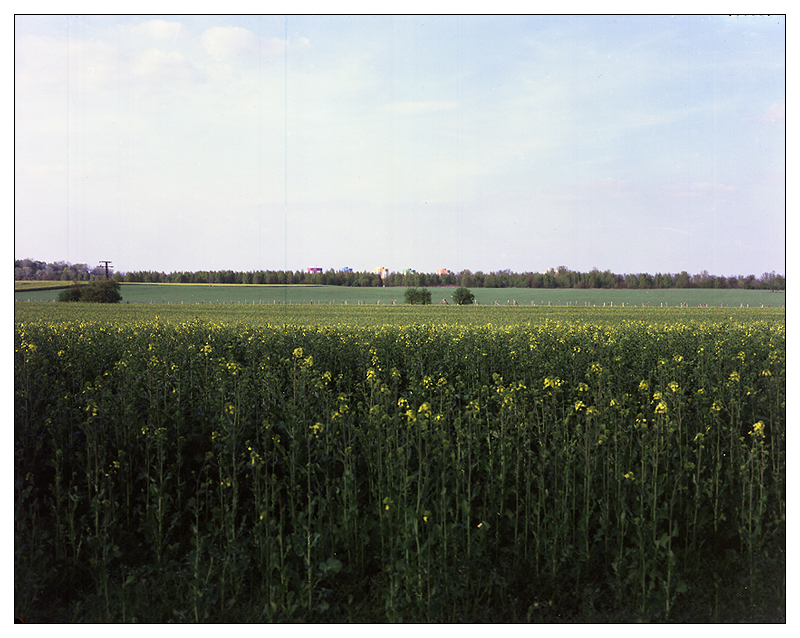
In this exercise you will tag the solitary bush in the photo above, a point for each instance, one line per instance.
(418, 295)
(463, 297)
(99, 291)
(73, 293)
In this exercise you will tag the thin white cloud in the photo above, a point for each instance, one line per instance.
(159, 30)
(417, 108)
(606, 188)
(92, 65)
(163, 66)
(273, 45)
(672, 230)
(699, 189)
(224, 42)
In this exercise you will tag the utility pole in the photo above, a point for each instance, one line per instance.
(106, 263)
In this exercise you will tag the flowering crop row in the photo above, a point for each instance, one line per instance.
(419, 472)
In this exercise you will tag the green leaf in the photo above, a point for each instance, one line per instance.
(334, 565)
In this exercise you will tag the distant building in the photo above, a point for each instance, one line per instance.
(408, 271)
(442, 271)
(313, 270)
(346, 269)
(383, 272)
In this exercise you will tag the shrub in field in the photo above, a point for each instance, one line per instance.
(102, 291)
(73, 293)
(98, 291)
(417, 296)
(263, 472)
(463, 297)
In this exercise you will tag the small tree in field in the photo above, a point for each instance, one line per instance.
(102, 291)
(99, 291)
(73, 293)
(463, 297)
(417, 295)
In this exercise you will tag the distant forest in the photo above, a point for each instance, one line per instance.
(561, 277)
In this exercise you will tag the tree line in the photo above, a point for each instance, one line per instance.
(30, 269)
(561, 277)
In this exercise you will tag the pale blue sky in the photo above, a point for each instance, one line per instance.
(635, 144)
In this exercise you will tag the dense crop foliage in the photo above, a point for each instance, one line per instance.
(378, 315)
(203, 470)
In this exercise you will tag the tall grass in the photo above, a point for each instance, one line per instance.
(199, 471)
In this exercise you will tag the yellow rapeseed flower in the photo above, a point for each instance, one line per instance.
(758, 429)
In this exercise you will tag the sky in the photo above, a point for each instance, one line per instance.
(183, 143)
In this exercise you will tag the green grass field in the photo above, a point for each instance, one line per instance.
(305, 294)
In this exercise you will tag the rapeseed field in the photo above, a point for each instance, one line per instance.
(374, 465)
